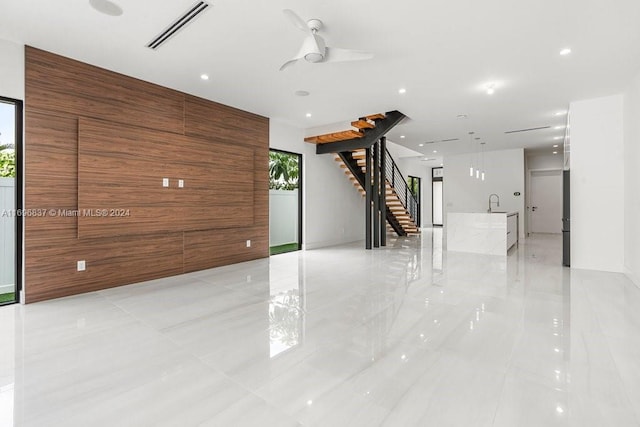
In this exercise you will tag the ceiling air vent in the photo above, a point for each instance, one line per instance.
(443, 140)
(527, 130)
(178, 24)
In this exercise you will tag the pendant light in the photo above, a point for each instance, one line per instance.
(482, 154)
(477, 149)
(471, 154)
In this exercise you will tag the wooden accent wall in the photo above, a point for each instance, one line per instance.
(98, 140)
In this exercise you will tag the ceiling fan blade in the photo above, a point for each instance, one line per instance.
(296, 20)
(335, 54)
(289, 63)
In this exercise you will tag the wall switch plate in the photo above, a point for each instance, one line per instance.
(165, 182)
(82, 265)
(181, 183)
(248, 243)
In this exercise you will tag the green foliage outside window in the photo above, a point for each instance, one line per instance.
(283, 171)
(7, 162)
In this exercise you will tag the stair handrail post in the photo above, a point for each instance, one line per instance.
(383, 191)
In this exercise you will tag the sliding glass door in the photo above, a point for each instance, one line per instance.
(10, 199)
(285, 201)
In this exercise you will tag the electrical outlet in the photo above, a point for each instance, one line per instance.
(82, 265)
(181, 183)
(248, 243)
(165, 182)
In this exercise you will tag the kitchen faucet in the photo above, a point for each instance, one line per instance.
(497, 203)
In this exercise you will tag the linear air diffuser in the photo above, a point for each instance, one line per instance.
(527, 130)
(178, 24)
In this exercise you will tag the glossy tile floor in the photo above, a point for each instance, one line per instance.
(405, 336)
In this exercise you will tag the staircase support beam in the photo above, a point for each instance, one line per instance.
(376, 195)
(371, 136)
(368, 191)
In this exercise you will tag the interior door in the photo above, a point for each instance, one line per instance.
(545, 209)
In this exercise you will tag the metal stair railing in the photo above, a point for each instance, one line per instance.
(401, 188)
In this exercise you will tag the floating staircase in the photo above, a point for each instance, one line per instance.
(351, 147)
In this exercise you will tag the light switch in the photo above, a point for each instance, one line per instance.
(165, 182)
(248, 243)
(181, 183)
(82, 265)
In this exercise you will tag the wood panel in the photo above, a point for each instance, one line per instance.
(209, 248)
(51, 179)
(120, 174)
(223, 123)
(51, 263)
(62, 85)
(138, 133)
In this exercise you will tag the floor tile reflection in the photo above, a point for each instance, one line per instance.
(405, 335)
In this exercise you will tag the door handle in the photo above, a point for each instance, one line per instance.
(533, 208)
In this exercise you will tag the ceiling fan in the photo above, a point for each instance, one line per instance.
(313, 47)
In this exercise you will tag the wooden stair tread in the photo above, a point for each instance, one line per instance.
(334, 137)
(375, 117)
(362, 124)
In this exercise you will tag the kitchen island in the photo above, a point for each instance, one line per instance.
(483, 233)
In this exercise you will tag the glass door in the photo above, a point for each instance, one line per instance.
(285, 201)
(437, 194)
(10, 199)
(415, 187)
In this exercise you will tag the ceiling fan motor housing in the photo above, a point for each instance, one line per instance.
(314, 48)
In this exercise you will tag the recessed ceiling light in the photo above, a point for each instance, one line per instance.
(401, 136)
(561, 113)
(559, 127)
(420, 145)
(462, 116)
(441, 164)
(491, 88)
(565, 51)
(301, 93)
(435, 151)
(107, 7)
(402, 91)
(204, 76)
(308, 114)
(555, 152)
(555, 146)
(557, 137)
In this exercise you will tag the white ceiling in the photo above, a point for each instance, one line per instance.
(442, 52)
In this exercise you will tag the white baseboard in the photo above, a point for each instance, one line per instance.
(327, 243)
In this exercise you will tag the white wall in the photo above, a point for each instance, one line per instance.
(333, 210)
(11, 70)
(504, 176)
(545, 161)
(632, 181)
(597, 184)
